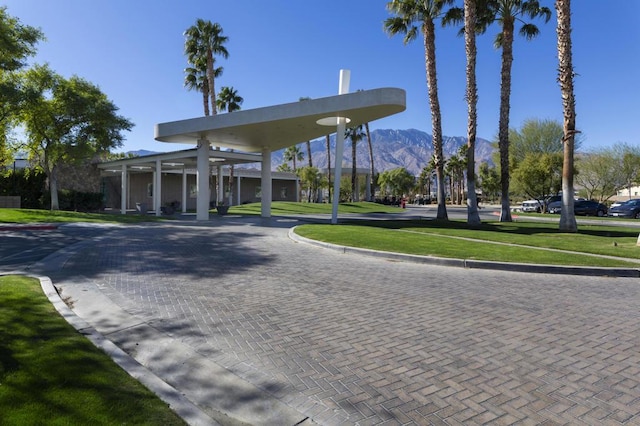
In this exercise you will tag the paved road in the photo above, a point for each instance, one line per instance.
(22, 246)
(348, 339)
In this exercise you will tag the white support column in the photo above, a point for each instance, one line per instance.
(202, 180)
(123, 190)
(266, 183)
(343, 88)
(157, 189)
(184, 190)
(220, 180)
(368, 194)
(238, 188)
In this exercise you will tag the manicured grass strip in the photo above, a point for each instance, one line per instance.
(384, 235)
(22, 216)
(51, 374)
(287, 208)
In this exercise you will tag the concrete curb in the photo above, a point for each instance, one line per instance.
(188, 411)
(475, 264)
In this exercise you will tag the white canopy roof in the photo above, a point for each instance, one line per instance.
(284, 125)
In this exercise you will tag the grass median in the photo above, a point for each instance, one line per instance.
(523, 242)
(280, 208)
(23, 216)
(51, 374)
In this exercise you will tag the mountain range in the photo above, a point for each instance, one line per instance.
(411, 149)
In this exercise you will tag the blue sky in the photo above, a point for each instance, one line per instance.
(281, 50)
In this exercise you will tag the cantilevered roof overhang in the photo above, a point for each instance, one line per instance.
(280, 126)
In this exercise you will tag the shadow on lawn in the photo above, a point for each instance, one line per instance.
(516, 228)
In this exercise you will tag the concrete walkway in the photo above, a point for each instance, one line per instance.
(254, 328)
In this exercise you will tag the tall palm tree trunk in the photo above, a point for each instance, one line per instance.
(309, 153)
(328, 140)
(372, 171)
(434, 104)
(565, 77)
(210, 80)
(503, 127)
(473, 217)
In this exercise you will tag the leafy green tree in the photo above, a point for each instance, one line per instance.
(489, 181)
(506, 13)
(535, 136)
(539, 175)
(17, 43)
(628, 163)
(536, 148)
(598, 175)
(311, 178)
(202, 41)
(408, 14)
(355, 135)
(396, 182)
(293, 154)
(67, 121)
(565, 79)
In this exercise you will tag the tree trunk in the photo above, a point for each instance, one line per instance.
(205, 102)
(53, 189)
(434, 104)
(473, 217)
(373, 185)
(503, 127)
(309, 153)
(212, 87)
(565, 78)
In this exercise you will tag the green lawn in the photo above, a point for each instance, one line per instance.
(51, 374)
(279, 208)
(22, 216)
(455, 239)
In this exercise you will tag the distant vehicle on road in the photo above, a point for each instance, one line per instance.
(581, 208)
(531, 206)
(629, 208)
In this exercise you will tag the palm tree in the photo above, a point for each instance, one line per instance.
(355, 134)
(373, 170)
(196, 79)
(203, 41)
(308, 142)
(229, 100)
(294, 155)
(424, 12)
(506, 13)
(565, 78)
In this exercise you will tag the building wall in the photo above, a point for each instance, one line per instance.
(141, 190)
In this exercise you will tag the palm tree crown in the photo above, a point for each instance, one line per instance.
(229, 100)
(203, 41)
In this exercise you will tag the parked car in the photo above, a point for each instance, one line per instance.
(629, 208)
(589, 208)
(531, 206)
(580, 208)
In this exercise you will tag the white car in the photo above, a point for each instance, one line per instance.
(531, 206)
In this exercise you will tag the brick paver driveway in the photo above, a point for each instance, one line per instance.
(347, 339)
